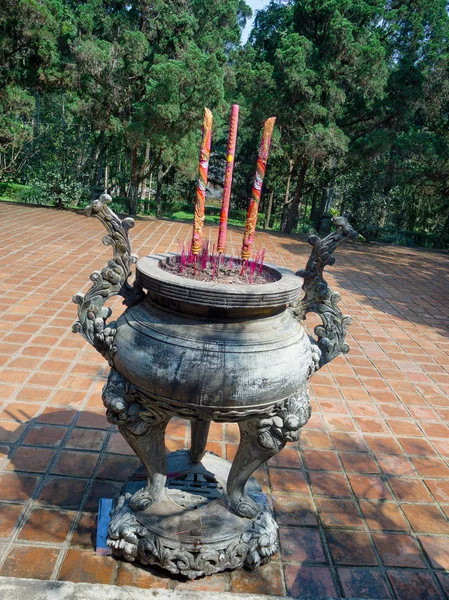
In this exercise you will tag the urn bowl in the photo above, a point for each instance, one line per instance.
(218, 351)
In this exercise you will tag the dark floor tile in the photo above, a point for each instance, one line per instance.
(333, 485)
(294, 510)
(339, 513)
(117, 467)
(101, 489)
(288, 480)
(35, 460)
(86, 439)
(62, 492)
(363, 583)
(398, 550)
(414, 585)
(309, 582)
(350, 547)
(76, 464)
(301, 545)
(45, 435)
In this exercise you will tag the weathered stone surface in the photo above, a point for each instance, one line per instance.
(189, 528)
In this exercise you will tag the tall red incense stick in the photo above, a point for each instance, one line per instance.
(230, 155)
(198, 218)
(251, 218)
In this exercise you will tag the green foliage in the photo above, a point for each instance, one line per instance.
(55, 190)
(398, 238)
(32, 195)
(16, 108)
(14, 192)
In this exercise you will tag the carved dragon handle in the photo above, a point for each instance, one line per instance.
(110, 281)
(320, 299)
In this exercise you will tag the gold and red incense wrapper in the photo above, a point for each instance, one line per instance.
(251, 218)
(230, 156)
(198, 218)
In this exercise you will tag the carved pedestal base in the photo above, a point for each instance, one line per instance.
(192, 530)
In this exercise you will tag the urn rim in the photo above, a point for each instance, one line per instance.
(152, 277)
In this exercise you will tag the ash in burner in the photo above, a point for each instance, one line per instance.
(211, 266)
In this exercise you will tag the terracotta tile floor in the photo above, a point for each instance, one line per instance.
(362, 501)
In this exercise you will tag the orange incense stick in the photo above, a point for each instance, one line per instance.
(251, 218)
(198, 218)
(230, 156)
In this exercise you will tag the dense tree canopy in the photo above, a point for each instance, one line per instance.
(110, 94)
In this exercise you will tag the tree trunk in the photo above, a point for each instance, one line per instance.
(150, 184)
(268, 211)
(313, 207)
(145, 194)
(323, 204)
(148, 195)
(160, 176)
(64, 128)
(444, 235)
(388, 184)
(121, 167)
(99, 177)
(286, 197)
(327, 193)
(304, 212)
(158, 197)
(134, 183)
(411, 217)
(329, 197)
(38, 119)
(295, 204)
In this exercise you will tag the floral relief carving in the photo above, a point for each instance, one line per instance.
(128, 538)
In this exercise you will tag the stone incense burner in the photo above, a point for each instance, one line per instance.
(205, 351)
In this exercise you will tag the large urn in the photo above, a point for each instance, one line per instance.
(205, 351)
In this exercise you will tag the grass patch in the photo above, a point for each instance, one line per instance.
(12, 192)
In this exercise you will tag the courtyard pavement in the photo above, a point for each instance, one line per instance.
(362, 500)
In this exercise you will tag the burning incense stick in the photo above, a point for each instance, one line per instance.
(198, 218)
(251, 218)
(230, 155)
